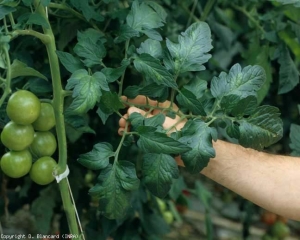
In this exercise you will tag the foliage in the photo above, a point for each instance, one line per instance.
(82, 56)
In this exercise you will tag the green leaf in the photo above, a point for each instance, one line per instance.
(151, 67)
(4, 10)
(127, 175)
(92, 51)
(241, 82)
(43, 209)
(288, 72)
(104, 116)
(70, 62)
(261, 129)
(110, 102)
(159, 171)
(87, 11)
(19, 69)
(98, 158)
(188, 100)
(39, 86)
(284, 2)
(113, 189)
(113, 74)
(125, 33)
(155, 91)
(87, 90)
(144, 16)
(295, 139)
(37, 19)
(197, 87)
(198, 136)
(156, 142)
(191, 50)
(152, 47)
(76, 125)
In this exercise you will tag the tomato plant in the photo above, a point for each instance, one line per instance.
(73, 67)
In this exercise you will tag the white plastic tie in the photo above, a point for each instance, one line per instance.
(65, 174)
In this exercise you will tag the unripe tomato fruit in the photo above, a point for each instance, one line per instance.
(44, 144)
(168, 216)
(17, 137)
(41, 170)
(23, 107)
(46, 119)
(161, 204)
(16, 164)
(280, 230)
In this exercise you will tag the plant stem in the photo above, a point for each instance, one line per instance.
(121, 142)
(44, 38)
(248, 15)
(207, 9)
(12, 21)
(58, 103)
(62, 6)
(7, 89)
(192, 13)
(123, 76)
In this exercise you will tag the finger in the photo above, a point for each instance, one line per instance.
(121, 130)
(179, 161)
(169, 122)
(122, 121)
(140, 99)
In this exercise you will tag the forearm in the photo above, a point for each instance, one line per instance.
(270, 181)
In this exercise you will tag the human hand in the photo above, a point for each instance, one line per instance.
(155, 107)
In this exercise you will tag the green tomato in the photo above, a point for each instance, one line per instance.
(23, 107)
(41, 170)
(17, 137)
(46, 119)
(161, 204)
(16, 164)
(44, 144)
(280, 230)
(168, 216)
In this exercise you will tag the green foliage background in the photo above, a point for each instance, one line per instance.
(218, 60)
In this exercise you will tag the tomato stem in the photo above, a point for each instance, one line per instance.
(7, 89)
(58, 104)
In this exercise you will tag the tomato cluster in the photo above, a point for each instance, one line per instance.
(28, 137)
(167, 214)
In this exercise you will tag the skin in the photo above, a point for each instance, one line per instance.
(268, 180)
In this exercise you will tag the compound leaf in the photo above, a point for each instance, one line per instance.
(87, 89)
(110, 102)
(151, 67)
(188, 100)
(198, 136)
(115, 183)
(159, 171)
(91, 49)
(98, 158)
(190, 52)
(156, 142)
(261, 129)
